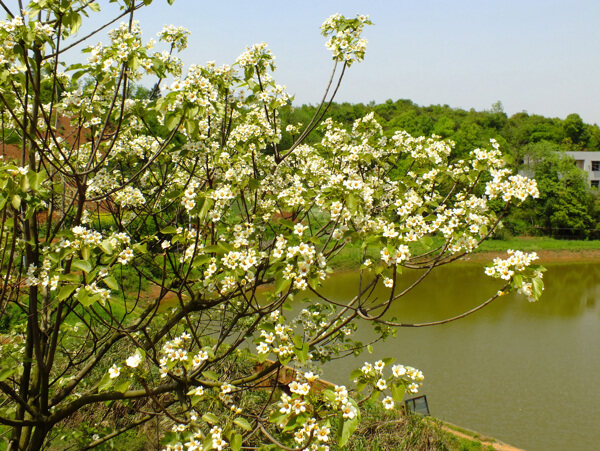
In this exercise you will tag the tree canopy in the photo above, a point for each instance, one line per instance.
(151, 248)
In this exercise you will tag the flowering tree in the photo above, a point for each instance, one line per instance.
(137, 236)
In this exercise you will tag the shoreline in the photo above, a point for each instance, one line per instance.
(545, 256)
(468, 434)
(483, 257)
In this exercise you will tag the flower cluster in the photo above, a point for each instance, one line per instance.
(515, 186)
(175, 359)
(189, 196)
(298, 405)
(213, 209)
(345, 42)
(43, 279)
(517, 268)
(176, 36)
(217, 440)
(126, 42)
(195, 90)
(277, 339)
(129, 197)
(506, 268)
(257, 56)
(403, 378)
(396, 257)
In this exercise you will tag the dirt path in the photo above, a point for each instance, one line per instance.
(474, 436)
(499, 446)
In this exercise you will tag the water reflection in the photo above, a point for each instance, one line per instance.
(448, 291)
(523, 372)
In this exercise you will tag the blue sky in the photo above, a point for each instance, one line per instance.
(541, 56)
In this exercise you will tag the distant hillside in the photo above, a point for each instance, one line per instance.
(469, 129)
(566, 208)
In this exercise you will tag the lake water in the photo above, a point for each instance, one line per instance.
(525, 373)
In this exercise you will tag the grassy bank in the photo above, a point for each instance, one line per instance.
(379, 430)
(352, 257)
(382, 430)
(538, 244)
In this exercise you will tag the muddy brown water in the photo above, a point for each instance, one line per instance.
(526, 373)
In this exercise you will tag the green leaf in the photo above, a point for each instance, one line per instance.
(347, 430)
(220, 248)
(72, 21)
(210, 418)
(77, 75)
(207, 205)
(16, 201)
(538, 287)
(210, 375)
(295, 422)
(203, 259)
(277, 417)
(374, 395)
(361, 386)
(286, 222)
(106, 382)
(236, 442)
(123, 386)
(106, 247)
(140, 248)
(207, 443)
(398, 389)
(111, 282)
(196, 399)
(34, 180)
(85, 299)
(356, 374)
(282, 284)
(70, 277)
(351, 202)
(243, 423)
(329, 394)
(508, 158)
(191, 126)
(301, 352)
(171, 121)
(226, 247)
(65, 292)
(298, 341)
(517, 281)
(25, 184)
(253, 184)
(284, 360)
(7, 372)
(82, 265)
(134, 63)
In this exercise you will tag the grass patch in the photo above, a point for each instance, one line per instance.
(538, 244)
(383, 430)
(351, 256)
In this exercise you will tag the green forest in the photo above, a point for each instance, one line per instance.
(534, 144)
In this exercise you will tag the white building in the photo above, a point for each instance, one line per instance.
(590, 163)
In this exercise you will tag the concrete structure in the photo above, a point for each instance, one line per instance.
(590, 163)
